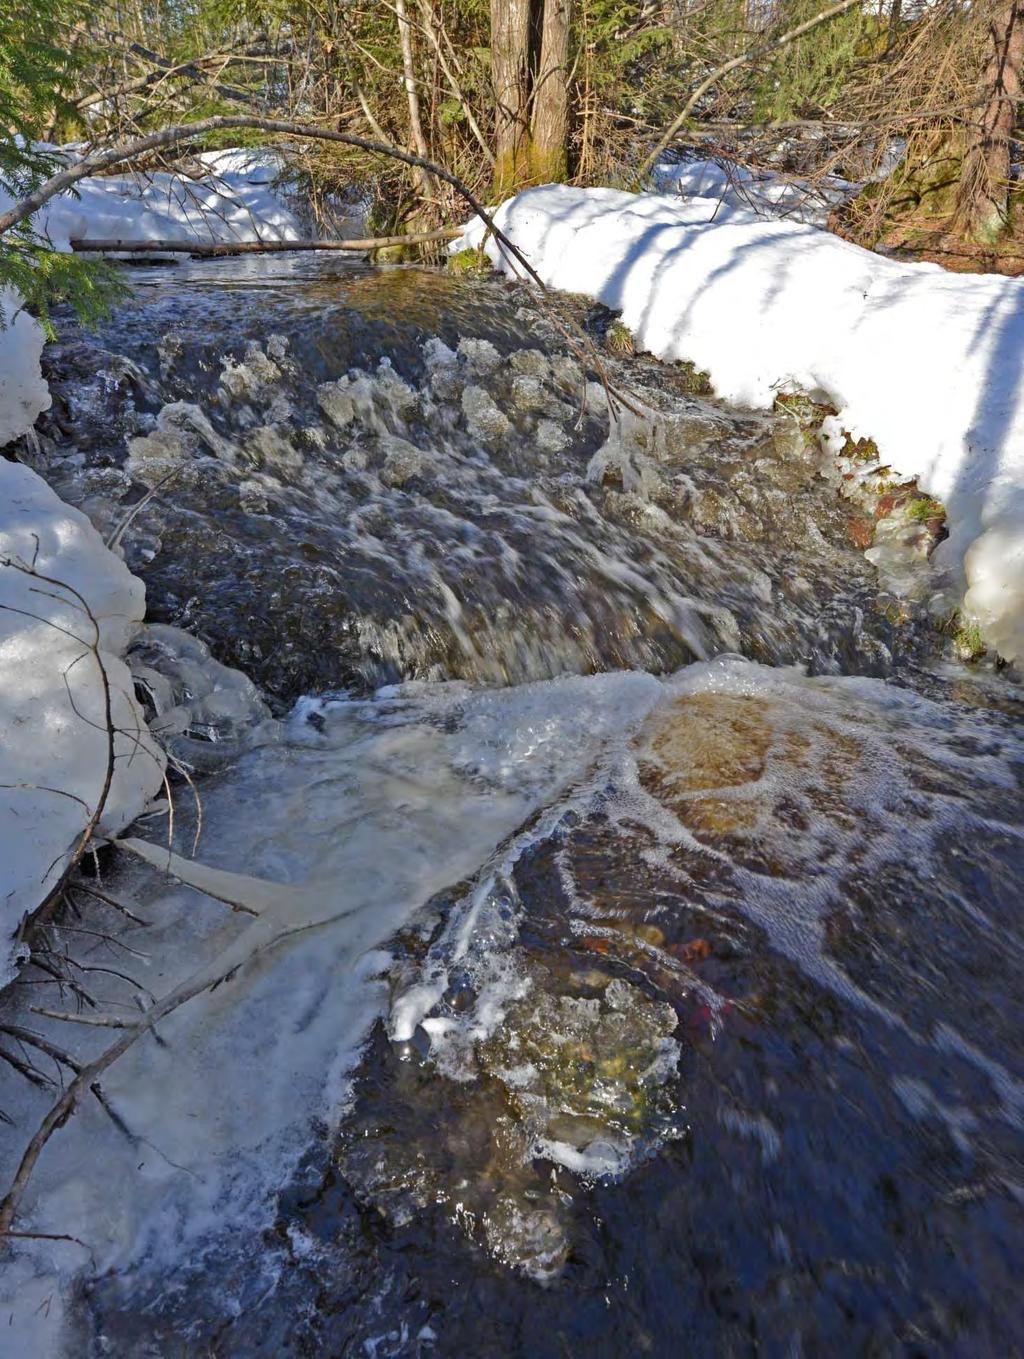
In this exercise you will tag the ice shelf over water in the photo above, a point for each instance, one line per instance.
(416, 808)
(373, 807)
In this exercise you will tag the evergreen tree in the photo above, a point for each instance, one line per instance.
(38, 68)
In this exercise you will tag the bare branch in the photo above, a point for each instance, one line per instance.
(751, 54)
(215, 250)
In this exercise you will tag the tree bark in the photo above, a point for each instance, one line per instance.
(982, 201)
(549, 149)
(419, 141)
(510, 47)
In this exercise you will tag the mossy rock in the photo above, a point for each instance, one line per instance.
(922, 509)
(394, 254)
(469, 261)
(966, 637)
(808, 414)
(864, 450)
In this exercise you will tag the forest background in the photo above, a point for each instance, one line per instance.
(508, 93)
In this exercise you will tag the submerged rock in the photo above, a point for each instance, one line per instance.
(586, 1075)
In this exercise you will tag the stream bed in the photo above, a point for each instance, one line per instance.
(642, 971)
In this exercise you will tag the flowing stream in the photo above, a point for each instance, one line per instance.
(648, 878)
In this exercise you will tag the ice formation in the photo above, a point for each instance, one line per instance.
(23, 393)
(367, 809)
(926, 363)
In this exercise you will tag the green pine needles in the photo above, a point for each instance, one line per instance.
(38, 66)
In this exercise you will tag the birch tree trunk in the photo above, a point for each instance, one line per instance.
(982, 200)
(549, 150)
(419, 141)
(510, 50)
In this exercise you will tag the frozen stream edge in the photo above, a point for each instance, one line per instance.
(372, 820)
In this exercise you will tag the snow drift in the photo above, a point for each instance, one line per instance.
(237, 200)
(53, 731)
(928, 364)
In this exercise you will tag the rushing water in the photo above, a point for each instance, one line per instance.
(657, 988)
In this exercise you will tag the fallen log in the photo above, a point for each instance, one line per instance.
(207, 250)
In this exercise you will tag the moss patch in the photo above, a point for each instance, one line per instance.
(922, 509)
(469, 261)
(966, 637)
(618, 339)
(695, 380)
(808, 414)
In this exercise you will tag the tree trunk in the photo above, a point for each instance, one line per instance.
(982, 201)
(510, 45)
(419, 141)
(549, 151)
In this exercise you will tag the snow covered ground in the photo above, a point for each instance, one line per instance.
(762, 192)
(53, 730)
(928, 364)
(236, 201)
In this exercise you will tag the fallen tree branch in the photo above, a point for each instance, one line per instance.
(233, 957)
(214, 250)
(98, 161)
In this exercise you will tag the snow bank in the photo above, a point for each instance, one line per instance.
(52, 718)
(240, 199)
(762, 192)
(234, 204)
(253, 164)
(52, 707)
(928, 364)
(23, 393)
